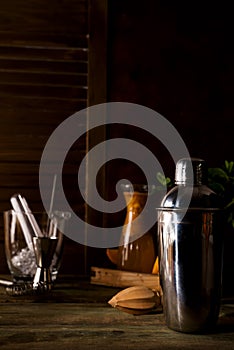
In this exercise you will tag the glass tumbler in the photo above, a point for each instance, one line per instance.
(19, 230)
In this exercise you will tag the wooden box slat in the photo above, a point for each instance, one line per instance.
(123, 279)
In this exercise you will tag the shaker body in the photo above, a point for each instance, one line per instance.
(190, 256)
(190, 250)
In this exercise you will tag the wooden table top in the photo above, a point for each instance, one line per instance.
(76, 315)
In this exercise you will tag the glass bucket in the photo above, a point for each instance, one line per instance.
(137, 255)
(19, 249)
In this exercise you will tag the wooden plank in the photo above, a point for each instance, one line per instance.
(14, 142)
(41, 116)
(30, 146)
(47, 38)
(43, 65)
(27, 51)
(22, 167)
(28, 121)
(122, 279)
(38, 16)
(76, 315)
(47, 90)
(49, 103)
(56, 78)
(97, 93)
(98, 17)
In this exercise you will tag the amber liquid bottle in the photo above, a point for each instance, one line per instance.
(136, 255)
(190, 250)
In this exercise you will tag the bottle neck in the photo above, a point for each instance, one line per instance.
(191, 172)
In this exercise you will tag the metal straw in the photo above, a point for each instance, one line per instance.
(48, 228)
(26, 219)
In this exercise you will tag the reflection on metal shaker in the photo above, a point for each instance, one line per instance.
(190, 251)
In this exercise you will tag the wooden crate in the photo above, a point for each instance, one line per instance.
(123, 279)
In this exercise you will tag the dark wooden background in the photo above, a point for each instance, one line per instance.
(178, 59)
(174, 58)
(43, 80)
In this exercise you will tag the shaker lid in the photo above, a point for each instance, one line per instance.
(191, 171)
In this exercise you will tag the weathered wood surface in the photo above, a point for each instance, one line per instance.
(123, 279)
(43, 80)
(76, 316)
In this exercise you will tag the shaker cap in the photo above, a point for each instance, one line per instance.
(191, 171)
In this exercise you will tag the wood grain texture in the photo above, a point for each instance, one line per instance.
(43, 80)
(121, 279)
(76, 316)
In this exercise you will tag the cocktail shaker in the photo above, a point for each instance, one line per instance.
(190, 250)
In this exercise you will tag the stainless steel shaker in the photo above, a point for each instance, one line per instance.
(190, 250)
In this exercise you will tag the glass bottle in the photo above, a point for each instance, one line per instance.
(190, 250)
(138, 254)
